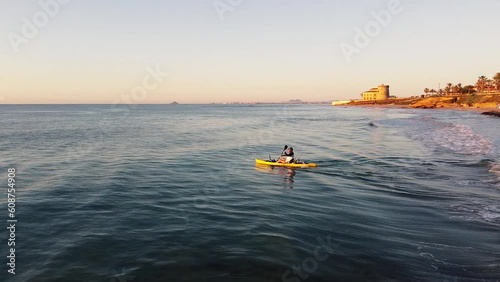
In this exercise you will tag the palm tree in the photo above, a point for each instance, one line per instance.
(468, 89)
(448, 88)
(426, 91)
(481, 83)
(490, 84)
(433, 91)
(496, 79)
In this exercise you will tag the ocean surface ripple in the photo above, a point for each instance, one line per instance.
(172, 193)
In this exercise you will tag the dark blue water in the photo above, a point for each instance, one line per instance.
(171, 193)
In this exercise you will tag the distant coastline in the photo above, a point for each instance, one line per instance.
(290, 102)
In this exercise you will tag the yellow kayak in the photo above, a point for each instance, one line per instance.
(295, 165)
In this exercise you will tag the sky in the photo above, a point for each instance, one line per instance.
(204, 51)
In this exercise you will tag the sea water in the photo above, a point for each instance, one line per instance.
(172, 193)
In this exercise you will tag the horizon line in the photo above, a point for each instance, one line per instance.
(169, 104)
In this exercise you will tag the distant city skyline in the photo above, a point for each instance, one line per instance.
(221, 51)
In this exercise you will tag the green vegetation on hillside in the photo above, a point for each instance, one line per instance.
(483, 85)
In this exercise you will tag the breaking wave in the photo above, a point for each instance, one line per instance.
(462, 139)
(458, 138)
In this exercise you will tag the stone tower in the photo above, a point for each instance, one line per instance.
(383, 92)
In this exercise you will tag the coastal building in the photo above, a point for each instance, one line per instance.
(379, 93)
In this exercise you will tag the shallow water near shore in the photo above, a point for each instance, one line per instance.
(172, 193)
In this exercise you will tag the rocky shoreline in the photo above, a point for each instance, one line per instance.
(486, 101)
(462, 101)
(492, 113)
(476, 102)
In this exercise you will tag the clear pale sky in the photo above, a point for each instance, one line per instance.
(94, 51)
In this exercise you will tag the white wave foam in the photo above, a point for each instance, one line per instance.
(476, 211)
(462, 139)
(490, 213)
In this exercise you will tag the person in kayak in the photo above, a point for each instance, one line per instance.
(283, 153)
(287, 156)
